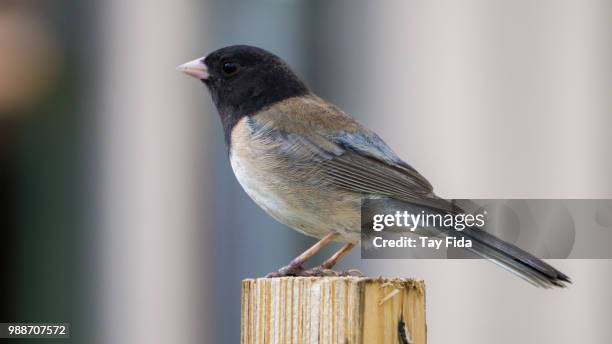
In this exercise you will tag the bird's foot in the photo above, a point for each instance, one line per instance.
(352, 273)
(320, 271)
(292, 269)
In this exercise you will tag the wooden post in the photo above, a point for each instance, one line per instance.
(333, 310)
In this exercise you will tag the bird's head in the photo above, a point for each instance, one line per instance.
(243, 80)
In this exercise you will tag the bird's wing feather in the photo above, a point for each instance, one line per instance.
(353, 157)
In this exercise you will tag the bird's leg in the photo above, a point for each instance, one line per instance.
(296, 264)
(335, 258)
(325, 268)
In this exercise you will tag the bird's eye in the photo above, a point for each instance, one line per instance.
(230, 68)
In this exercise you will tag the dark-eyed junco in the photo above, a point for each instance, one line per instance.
(309, 165)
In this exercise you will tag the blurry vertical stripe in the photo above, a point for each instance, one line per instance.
(150, 213)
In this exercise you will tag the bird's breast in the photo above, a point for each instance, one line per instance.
(291, 192)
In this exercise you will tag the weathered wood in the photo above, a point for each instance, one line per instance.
(333, 310)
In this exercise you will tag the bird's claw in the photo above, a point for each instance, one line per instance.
(288, 270)
(352, 273)
(298, 271)
(320, 271)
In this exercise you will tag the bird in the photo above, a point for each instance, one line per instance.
(309, 165)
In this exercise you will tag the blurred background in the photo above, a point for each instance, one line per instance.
(119, 212)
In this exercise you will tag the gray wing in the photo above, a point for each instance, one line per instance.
(357, 161)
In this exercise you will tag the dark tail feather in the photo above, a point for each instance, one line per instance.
(519, 262)
(514, 259)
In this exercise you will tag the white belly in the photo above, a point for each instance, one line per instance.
(310, 212)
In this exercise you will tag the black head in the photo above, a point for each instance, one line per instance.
(243, 80)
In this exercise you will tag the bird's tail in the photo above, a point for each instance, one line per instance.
(514, 259)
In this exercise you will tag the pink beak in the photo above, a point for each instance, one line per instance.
(195, 68)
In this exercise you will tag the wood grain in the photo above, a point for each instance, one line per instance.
(330, 310)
